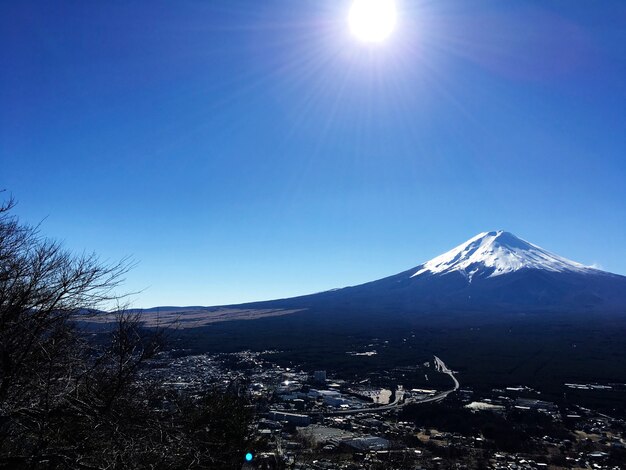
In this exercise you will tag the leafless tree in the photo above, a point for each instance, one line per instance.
(67, 402)
(43, 289)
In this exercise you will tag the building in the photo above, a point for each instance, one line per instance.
(532, 404)
(319, 376)
(336, 401)
(367, 443)
(313, 393)
(291, 418)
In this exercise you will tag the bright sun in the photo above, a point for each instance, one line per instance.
(372, 20)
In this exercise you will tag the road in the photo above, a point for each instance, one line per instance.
(441, 367)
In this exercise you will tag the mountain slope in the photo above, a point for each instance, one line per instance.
(494, 271)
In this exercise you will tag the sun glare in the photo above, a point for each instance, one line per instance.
(372, 20)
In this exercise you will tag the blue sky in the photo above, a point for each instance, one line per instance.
(247, 150)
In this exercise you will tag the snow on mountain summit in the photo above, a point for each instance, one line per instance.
(492, 254)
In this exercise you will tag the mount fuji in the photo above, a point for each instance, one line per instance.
(493, 271)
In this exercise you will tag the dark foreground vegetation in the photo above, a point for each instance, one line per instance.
(67, 403)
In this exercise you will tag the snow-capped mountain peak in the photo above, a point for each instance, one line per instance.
(492, 254)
